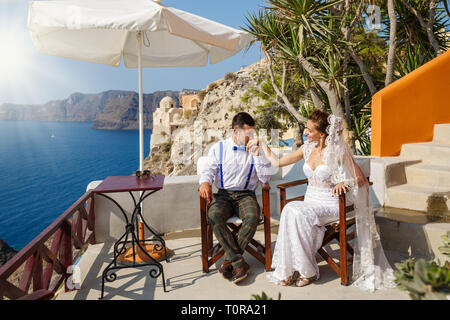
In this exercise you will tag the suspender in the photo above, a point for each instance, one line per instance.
(249, 174)
(220, 164)
(221, 171)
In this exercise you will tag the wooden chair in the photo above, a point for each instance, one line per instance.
(210, 253)
(334, 230)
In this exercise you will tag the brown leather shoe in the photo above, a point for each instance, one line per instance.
(241, 272)
(226, 269)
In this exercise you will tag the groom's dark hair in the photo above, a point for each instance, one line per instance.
(242, 118)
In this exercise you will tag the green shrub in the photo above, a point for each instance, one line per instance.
(445, 249)
(201, 94)
(211, 86)
(264, 296)
(230, 76)
(423, 279)
(187, 114)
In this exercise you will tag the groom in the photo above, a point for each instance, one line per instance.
(236, 172)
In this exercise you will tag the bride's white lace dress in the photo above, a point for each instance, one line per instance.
(301, 228)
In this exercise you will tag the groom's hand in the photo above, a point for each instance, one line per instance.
(206, 191)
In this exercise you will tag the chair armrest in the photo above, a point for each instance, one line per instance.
(286, 185)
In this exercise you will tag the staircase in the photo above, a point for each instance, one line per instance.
(427, 175)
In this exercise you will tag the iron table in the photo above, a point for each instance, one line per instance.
(148, 185)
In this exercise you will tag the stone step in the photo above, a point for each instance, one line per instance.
(428, 152)
(434, 200)
(411, 233)
(441, 133)
(428, 175)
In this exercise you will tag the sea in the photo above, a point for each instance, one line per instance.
(46, 166)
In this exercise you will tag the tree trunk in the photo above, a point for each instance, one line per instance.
(346, 31)
(318, 104)
(297, 139)
(331, 92)
(392, 42)
(287, 104)
(427, 26)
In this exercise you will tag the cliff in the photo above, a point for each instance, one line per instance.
(113, 109)
(6, 252)
(222, 99)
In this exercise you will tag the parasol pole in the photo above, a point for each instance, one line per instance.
(141, 124)
(132, 255)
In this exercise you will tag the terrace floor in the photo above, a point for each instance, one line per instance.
(185, 279)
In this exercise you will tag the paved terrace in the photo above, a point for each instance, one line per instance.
(185, 279)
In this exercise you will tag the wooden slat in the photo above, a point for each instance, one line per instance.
(75, 230)
(350, 249)
(291, 184)
(210, 238)
(342, 240)
(52, 260)
(204, 237)
(37, 274)
(27, 274)
(84, 230)
(256, 254)
(216, 257)
(48, 272)
(41, 294)
(65, 252)
(299, 198)
(85, 217)
(11, 291)
(282, 200)
(267, 235)
(90, 205)
(88, 237)
(56, 282)
(329, 260)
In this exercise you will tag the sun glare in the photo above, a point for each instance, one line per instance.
(13, 58)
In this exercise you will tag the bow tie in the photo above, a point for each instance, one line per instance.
(241, 148)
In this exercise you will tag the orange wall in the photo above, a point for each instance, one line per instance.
(406, 110)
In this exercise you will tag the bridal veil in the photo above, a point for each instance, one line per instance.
(371, 270)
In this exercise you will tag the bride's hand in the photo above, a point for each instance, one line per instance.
(339, 189)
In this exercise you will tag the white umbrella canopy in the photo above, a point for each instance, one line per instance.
(102, 31)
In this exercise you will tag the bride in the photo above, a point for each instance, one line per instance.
(331, 170)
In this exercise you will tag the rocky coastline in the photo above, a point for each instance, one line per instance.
(6, 252)
(109, 110)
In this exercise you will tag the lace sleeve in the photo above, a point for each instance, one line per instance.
(306, 149)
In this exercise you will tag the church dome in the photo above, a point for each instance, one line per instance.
(168, 102)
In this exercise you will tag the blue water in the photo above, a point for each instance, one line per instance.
(41, 176)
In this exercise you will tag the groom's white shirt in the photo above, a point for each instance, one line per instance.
(235, 167)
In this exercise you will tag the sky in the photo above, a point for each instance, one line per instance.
(28, 77)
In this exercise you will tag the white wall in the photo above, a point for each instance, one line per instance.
(177, 206)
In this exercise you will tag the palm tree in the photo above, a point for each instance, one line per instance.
(338, 64)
